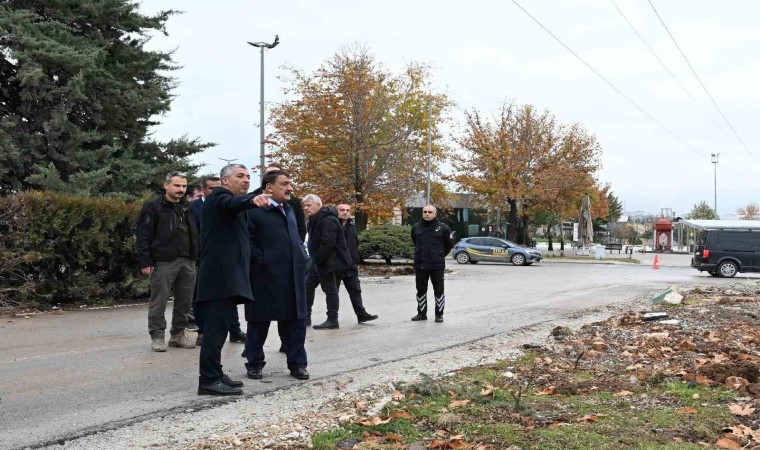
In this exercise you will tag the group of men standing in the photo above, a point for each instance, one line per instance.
(249, 249)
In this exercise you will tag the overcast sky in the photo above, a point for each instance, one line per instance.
(483, 52)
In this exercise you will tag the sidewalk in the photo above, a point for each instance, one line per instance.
(665, 259)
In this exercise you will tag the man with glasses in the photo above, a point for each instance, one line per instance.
(167, 249)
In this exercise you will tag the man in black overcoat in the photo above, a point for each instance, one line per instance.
(278, 273)
(224, 272)
(329, 255)
(208, 183)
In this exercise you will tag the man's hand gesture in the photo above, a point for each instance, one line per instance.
(261, 200)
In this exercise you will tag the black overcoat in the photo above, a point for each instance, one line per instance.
(352, 242)
(225, 261)
(278, 266)
(327, 242)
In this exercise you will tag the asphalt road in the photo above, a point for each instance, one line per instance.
(66, 375)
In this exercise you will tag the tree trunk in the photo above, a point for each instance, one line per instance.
(525, 231)
(551, 245)
(360, 220)
(512, 230)
(561, 236)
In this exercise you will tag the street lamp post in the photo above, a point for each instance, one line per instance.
(228, 161)
(430, 148)
(262, 154)
(714, 160)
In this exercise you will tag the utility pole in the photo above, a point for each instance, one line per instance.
(430, 148)
(714, 160)
(262, 153)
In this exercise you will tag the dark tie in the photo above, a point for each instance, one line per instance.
(282, 210)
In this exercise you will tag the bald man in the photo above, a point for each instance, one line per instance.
(350, 276)
(432, 242)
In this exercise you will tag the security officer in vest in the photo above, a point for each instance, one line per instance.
(432, 242)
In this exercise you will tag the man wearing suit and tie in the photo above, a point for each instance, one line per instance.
(278, 274)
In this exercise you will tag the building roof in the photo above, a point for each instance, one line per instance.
(723, 224)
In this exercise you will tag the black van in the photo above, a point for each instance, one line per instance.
(725, 252)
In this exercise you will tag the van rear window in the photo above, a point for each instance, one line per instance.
(738, 239)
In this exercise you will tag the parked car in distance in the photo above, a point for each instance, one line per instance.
(726, 252)
(475, 249)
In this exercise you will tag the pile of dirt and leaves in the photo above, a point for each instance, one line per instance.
(689, 378)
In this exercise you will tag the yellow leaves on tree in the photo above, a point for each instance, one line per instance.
(354, 132)
(523, 157)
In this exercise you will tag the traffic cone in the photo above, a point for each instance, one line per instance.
(656, 263)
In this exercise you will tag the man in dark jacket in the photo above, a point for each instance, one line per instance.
(294, 202)
(167, 248)
(278, 271)
(432, 242)
(224, 272)
(208, 184)
(350, 276)
(329, 255)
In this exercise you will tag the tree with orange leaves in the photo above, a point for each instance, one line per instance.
(566, 174)
(524, 160)
(499, 157)
(354, 132)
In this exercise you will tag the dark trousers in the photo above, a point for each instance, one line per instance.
(292, 334)
(312, 281)
(218, 316)
(198, 313)
(354, 289)
(329, 285)
(436, 278)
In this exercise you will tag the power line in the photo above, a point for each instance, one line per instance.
(701, 83)
(609, 83)
(672, 75)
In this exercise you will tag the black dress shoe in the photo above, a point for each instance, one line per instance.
(366, 317)
(299, 373)
(230, 382)
(329, 324)
(439, 318)
(282, 348)
(218, 388)
(419, 317)
(237, 336)
(255, 373)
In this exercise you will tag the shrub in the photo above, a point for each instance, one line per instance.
(68, 249)
(387, 241)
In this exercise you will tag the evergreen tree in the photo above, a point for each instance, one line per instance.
(614, 208)
(78, 95)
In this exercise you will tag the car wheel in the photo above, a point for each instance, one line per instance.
(728, 269)
(473, 262)
(518, 259)
(462, 258)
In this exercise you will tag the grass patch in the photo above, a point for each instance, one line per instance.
(628, 394)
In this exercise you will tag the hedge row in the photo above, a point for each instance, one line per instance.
(58, 249)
